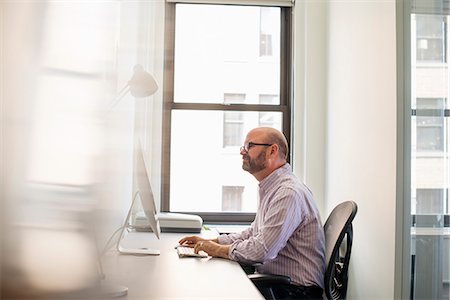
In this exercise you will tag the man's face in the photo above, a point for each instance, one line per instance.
(254, 159)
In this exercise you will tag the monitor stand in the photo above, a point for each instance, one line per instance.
(142, 251)
(111, 291)
(135, 251)
(105, 290)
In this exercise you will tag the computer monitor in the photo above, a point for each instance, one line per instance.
(144, 192)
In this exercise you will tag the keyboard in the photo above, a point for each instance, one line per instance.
(189, 252)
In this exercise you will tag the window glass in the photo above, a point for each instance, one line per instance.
(217, 49)
(233, 121)
(231, 73)
(430, 167)
(200, 165)
(268, 119)
(429, 122)
(430, 201)
(431, 38)
(268, 31)
(232, 198)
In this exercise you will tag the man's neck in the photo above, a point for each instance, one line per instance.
(267, 171)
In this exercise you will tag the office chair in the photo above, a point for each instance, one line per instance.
(338, 244)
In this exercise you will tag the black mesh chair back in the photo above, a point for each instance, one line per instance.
(338, 245)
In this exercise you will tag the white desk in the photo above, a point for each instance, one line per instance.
(167, 276)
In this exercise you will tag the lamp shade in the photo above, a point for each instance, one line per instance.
(142, 84)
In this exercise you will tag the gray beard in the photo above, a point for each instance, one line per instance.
(255, 165)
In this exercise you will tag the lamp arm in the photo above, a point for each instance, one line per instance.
(121, 94)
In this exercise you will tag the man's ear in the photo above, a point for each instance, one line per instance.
(274, 149)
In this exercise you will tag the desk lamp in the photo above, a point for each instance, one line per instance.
(142, 84)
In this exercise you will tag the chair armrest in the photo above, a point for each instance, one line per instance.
(267, 280)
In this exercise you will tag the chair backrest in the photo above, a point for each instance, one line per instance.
(338, 244)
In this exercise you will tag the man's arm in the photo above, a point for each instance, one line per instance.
(280, 221)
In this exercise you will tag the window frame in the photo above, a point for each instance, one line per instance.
(286, 85)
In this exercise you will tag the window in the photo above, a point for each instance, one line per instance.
(430, 201)
(233, 122)
(268, 26)
(232, 198)
(268, 119)
(218, 89)
(429, 117)
(431, 38)
(426, 243)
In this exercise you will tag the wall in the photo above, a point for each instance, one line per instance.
(345, 125)
(309, 108)
(361, 136)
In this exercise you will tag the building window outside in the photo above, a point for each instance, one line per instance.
(232, 198)
(233, 122)
(431, 201)
(267, 32)
(430, 124)
(267, 119)
(431, 38)
(205, 124)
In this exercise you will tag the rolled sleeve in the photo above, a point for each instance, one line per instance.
(227, 239)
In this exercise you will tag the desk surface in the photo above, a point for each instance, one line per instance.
(167, 276)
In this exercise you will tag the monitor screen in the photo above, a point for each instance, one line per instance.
(145, 192)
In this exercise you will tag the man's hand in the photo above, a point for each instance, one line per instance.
(190, 241)
(212, 247)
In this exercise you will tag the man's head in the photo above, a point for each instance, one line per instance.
(265, 150)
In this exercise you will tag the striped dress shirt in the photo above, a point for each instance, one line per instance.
(286, 237)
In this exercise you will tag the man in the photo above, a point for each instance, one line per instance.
(286, 237)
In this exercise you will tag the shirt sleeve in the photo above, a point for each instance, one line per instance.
(227, 239)
(281, 219)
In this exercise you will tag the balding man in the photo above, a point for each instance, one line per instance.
(286, 237)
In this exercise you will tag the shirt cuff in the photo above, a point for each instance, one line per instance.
(231, 252)
(223, 239)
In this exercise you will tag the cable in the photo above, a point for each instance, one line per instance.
(121, 228)
(107, 246)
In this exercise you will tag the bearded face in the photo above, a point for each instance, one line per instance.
(254, 165)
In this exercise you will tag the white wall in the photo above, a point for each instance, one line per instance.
(309, 108)
(345, 125)
(361, 136)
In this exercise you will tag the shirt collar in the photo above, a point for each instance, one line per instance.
(267, 182)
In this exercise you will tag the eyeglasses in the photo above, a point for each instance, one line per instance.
(251, 144)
